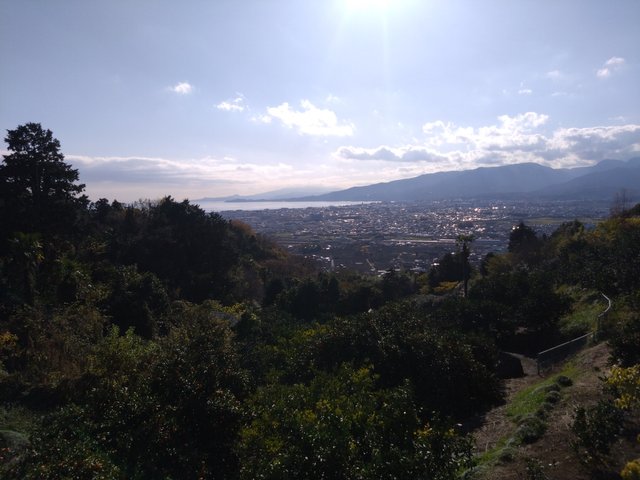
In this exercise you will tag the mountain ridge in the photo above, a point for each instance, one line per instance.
(601, 180)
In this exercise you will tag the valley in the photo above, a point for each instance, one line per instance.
(372, 238)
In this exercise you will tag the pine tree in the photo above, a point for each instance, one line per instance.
(38, 190)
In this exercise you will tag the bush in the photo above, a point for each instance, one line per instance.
(625, 344)
(449, 374)
(63, 446)
(596, 429)
(564, 381)
(164, 409)
(631, 470)
(341, 426)
(544, 410)
(554, 387)
(624, 383)
(530, 429)
(534, 469)
(552, 397)
(506, 455)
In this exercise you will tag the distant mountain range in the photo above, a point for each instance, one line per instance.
(523, 180)
(599, 182)
(282, 194)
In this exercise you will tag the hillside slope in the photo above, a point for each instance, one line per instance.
(501, 458)
(598, 181)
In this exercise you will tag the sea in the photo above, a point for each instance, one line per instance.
(217, 206)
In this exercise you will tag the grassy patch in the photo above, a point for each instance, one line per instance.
(504, 451)
(587, 305)
(530, 399)
(492, 455)
(529, 409)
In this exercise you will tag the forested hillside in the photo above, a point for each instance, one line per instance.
(159, 341)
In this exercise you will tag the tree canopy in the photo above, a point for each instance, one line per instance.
(38, 190)
(158, 340)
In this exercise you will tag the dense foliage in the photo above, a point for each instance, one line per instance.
(156, 340)
(38, 192)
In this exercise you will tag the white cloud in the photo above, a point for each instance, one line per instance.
(614, 62)
(509, 131)
(261, 119)
(158, 169)
(435, 128)
(311, 120)
(510, 139)
(554, 74)
(513, 139)
(618, 141)
(408, 153)
(610, 67)
(182, 88)
(232, 105)
(523, 121)
(151, 177)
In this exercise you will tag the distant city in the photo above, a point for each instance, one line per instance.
(375, 237)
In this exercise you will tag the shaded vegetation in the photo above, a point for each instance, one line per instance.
(156, 340)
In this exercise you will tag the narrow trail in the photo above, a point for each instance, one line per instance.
(554, 448)
(496, 424)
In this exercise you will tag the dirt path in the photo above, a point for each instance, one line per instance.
(496, 424)
(553, 450)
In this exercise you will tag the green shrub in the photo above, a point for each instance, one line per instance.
(552, 397)
(583, 316)
(554, 387)
(530, 429)
(506, 455)
(64, 445)
(625, 345)
(631, 470)
(544, 410)
(547, 406)
(534, 469)
(596, 429)
(564, 381)
(341, 426)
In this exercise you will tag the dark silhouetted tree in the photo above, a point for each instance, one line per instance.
(38, 190)
(524, 243)
(463, 241)
(452, 267)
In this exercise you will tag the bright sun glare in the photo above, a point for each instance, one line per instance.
(367, 4)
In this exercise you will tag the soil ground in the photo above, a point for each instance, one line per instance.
(553, 452)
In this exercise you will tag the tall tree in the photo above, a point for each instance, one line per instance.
(524, 244)
(38, 190)
(463, 242)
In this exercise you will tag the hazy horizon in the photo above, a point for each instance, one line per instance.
(213, 99)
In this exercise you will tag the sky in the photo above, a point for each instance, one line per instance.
(214, 98)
